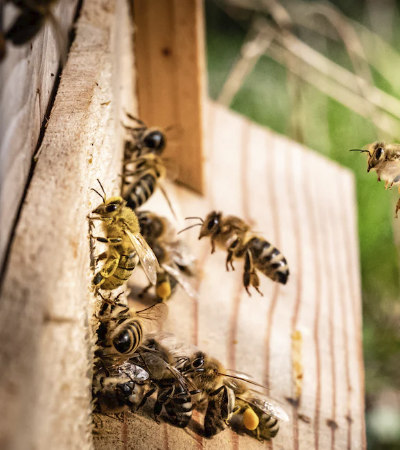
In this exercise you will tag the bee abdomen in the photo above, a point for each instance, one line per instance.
(269, 260)
(124, 270)
(141, 190)
(129, 339)
(270, 428)
(179, 410)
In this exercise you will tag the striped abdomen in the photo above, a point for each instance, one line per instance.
(126, 265)
(179, 408)
(268, 427)
(142, 189)
(268, 260)
(127, 336)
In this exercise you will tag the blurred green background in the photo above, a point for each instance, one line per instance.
(270, 95)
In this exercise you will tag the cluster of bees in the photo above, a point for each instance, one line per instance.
(132, 363)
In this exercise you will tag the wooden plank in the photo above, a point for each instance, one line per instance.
(170, 79)
(47, 304)
(28, 75)
(305, 205)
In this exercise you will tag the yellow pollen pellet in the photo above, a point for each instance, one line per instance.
(250, 419)
(164, 290)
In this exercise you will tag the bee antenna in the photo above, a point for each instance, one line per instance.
(201, 220)
(358, 150)
(104, 192)
(189, 227)
(98, 193)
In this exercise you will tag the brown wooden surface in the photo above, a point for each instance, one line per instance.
(47, 304)
(305, 205)
(169, 43)
(27, 77)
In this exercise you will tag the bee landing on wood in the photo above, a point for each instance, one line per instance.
(233, 235)
(385, 160)
(125, 244)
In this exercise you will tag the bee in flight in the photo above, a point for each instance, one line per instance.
(176, 265)
(233, 235)
(385, 160)
(122, 329)
(126, 246)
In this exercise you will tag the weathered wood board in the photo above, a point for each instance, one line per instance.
(305, 205)
(28, 75)
(170, 61)
(47, 303)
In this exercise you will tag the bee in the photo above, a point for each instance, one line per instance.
(257, 416)
(175, 263)
(174, 391)
(145, 140)
(232, 234)
(122, 329)
(385, 159)
(126, 246)
(119, 389)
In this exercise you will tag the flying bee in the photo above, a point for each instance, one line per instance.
(120, 388)
(174, 391)
(257, 416)
(125, 244)
(122, 329)
(145, 140)
(175, 262)
(385, 159)
(232, 234)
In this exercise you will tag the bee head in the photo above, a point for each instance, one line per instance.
(154, 139)
(211, 224)
(110, 207)
(376, 153)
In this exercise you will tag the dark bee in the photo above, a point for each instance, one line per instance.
(175, 262)
(233, 235)
(145, 140)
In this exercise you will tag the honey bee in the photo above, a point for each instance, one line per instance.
(174, 391)
(175, 262)
(122, 329)
(125, 244)
(119, 389)
(145, 140)
(385, 160)
(232, 234)
(219, 390)
(257, 416)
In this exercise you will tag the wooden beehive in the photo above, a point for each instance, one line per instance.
(301, 202)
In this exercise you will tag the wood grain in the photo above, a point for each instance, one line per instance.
(305, 205)
(170, 79)
(47, 303)
(28, 75)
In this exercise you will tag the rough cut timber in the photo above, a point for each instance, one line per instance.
(169, 42)
(46, 304)
(28, 75)
(305, 205)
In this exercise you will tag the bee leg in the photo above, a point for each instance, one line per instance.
(100, 257)
(397, 207)
(110, 241)
(231, 251)
(386, 184)
(250, 276)
(163, 398)
(212, 246)
(146, 396)
(110, 266)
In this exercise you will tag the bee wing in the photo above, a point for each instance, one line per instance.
(153, 315)
(146, 256)
(181, 279)
(134, 372)
(268, 407)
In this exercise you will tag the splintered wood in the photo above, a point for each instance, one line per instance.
(303, 339)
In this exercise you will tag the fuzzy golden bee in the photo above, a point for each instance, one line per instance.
(126, 246)
(122, 329)
(176, 264)
(385, 160)
(235, 236)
